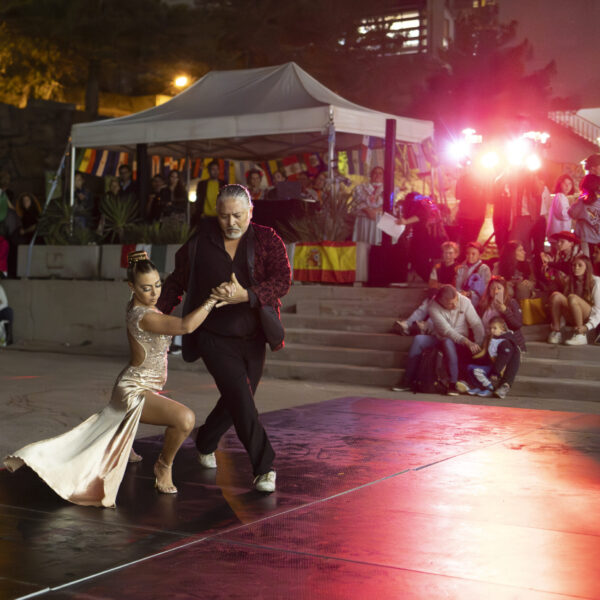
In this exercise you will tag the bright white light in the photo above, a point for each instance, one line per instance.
(489, 160)
(516, 150)
(192, 196)
(459, 149)
(468, 132)
(181, 81)
(533, 162)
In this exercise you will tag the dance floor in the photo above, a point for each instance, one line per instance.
(376, 499)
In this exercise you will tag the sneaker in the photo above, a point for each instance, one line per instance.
(452, 390)
(480, 375)
(208, 461)
(502, 391)
(462, 387)
(265, 483)
(474, 391)
(597, 340)
(401, 388)
(579, 339)
(402, 326)
(555, 337)
(174, 349)
(484, 393)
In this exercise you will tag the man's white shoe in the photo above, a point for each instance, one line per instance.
(208, 461)
(265, 482)
(579, 339)
(555, 337)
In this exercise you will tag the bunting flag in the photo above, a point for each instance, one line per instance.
(197, 168)
(274, 166)
(326, 262)
(378, 157)
(422, 163)
(155, 166)
(430, 152)
(411, 157)
(292, 167)
(342, 163)
(266, 169)
(127, 248)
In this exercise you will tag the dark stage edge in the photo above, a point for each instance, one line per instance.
(375, 499)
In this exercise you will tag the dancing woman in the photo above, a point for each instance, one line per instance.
(86, 464)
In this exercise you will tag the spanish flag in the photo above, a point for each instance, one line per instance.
(327, 262)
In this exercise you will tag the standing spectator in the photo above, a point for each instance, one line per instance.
(126, 183)
(453, 316)
(556, 268)
(157, 183)
(427, 232)
(592, 164)
(580, 307)
(6, 315)
(207, 191)
(9, 231)
(306, 192)
(514, 267)
(278, 177)
(471, 208)
(558, 217)
(473, 274)
(173, 199)
(83, 203)
(586, 213)
(321, 188)
(29, 211)
(253, 179)
(369, 197)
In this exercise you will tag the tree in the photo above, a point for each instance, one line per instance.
(484, 81)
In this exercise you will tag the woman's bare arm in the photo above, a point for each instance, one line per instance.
(157, 322)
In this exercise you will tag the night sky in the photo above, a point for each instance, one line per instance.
(567, 31)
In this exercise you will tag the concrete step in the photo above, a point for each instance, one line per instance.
(350, 323)
(559, 368)
(365, 357)
(347, 339)
(546, 387)
(540, 349)
(344, 308)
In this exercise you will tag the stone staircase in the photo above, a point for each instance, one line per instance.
(343, 334)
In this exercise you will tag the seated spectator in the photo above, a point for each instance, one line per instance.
(513, 266)
(369, 198)
(157, 184)
(580, 306)
(496, 302)
(207, 191)
(173, 200)
(306, 193)
(556, 267)
(253, 179)
(428, 232)
(278, 177)
(83, 203)
(558, 216)
(6, 315)
(29, 210)
(442, 273)
(473, 275)
(585, 211)
(321, 187)
(496, 370)
(453, 316)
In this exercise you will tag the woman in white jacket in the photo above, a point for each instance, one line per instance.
(558, 216)
(581, 305)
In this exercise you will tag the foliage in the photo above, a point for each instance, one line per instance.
(333, 221)
(158, 233)
(57, 229)
(120, 214)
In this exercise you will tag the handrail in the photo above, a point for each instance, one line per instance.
(578, 124)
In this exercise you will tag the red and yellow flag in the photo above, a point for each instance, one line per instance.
(327, 262)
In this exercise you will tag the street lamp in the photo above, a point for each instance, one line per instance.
(181, 81)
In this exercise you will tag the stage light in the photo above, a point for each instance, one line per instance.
(489, 160)
(516, 150)
(181, 81)
(533, 162)
(459, 150)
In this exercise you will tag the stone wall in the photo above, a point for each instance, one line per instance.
(32, 141)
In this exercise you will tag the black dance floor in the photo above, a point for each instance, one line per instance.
(376, 499)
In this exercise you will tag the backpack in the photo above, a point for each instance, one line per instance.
(475, 282)
(436, 229)
(431, 376)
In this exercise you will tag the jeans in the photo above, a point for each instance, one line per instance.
(452, 352)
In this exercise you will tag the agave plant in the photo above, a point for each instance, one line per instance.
(57, 228)
(120, 214)
(333, 221)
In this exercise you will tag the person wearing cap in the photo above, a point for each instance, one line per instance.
(586, 213)
(592, 164)
(473, 275)
(556, 267)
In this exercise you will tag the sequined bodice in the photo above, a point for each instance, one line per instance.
(155, 345)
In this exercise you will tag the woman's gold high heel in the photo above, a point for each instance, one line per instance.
(160, 463)
(134, 457)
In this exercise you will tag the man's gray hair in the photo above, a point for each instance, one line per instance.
(236, 191)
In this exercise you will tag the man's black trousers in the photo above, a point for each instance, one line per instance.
(236, 365)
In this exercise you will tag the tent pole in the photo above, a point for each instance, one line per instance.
(188, 173)
(72, 176)
(331, 152)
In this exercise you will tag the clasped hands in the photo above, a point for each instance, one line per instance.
(229, 292)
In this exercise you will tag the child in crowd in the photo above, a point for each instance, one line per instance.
(501, 360)
(556, 267)
(558, 217)
(586, 214)
(473, 275)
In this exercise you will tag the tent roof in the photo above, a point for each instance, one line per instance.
(247, 114)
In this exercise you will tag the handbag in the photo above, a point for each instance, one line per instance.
(533, 311)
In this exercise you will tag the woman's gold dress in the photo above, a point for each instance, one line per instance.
(86, 464)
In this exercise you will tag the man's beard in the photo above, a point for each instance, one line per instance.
(233, 234)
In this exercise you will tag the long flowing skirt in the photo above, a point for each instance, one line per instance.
(86, 464)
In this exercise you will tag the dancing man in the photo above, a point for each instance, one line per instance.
(231, 342)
